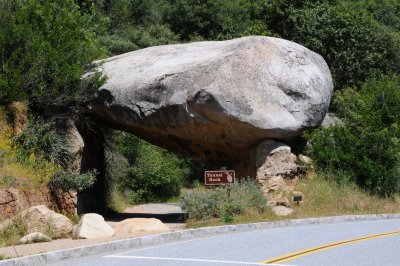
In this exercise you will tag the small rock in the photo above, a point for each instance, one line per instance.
(305, 159)
(92, 225)
(34, 237)
(278, 200)
(282, 210)
(140, 226)
(283, 201)
(330, 120)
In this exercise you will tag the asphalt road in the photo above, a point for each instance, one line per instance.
(355, 243)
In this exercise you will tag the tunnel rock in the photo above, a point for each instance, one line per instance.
(212, 101)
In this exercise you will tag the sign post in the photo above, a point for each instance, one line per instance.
(227, 177)
(228, 190)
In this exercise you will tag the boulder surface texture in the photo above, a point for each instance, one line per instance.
(140, 226)
(42, 219)
(34, 238)
(91, 226)
(212, 101)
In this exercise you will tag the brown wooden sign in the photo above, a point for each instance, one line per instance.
(219, 177)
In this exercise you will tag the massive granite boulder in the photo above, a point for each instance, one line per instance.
(212, 101)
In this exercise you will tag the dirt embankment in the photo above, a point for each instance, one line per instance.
(12, 201)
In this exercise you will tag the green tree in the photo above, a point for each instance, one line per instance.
(218, 19)
(365, 147)
(241, 18)
(190, 18)
(386, 12)
(153, 173)
(134, 24)
(354, 45)
(45, 48)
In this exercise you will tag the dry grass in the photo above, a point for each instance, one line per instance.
(34, 173)
(12, 231)
(117, 201)
(322, 198)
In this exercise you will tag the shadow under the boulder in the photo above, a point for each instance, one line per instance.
(165, 217)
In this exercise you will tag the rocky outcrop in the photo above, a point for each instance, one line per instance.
(275, 163)
(276, 168)
(140, 226)
(41, 219)
(213, 101)
(19, 116)
(92, 225)
(75, 143)
(13, 201)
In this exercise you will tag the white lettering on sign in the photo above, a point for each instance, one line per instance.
(219, 177)
(214, 175)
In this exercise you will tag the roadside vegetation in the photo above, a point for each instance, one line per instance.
(20, 167)
(204, 204)
(12, 231)
(322, 197)
(46, 46)
(35, 158)
(364, 148)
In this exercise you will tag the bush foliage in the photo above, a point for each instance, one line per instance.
(71, 181)
(20, 167)
(204, 204)
(45, 48)
(151, 173)
(12, 231)
(40, 139)
(365, 147)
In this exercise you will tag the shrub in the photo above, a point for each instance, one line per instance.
(22, 168)
(116, 171)
(156, 173)
(214, 19)
(46, 47)
(12, 230)
(117, 44)
(365, 148)
(153, 174)
(71, 181)
(41, 140)
(204, 204)
(8, 181)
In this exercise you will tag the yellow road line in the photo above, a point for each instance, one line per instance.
(309, 251)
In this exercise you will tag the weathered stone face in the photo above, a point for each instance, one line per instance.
(91, 226)
(212, 101)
